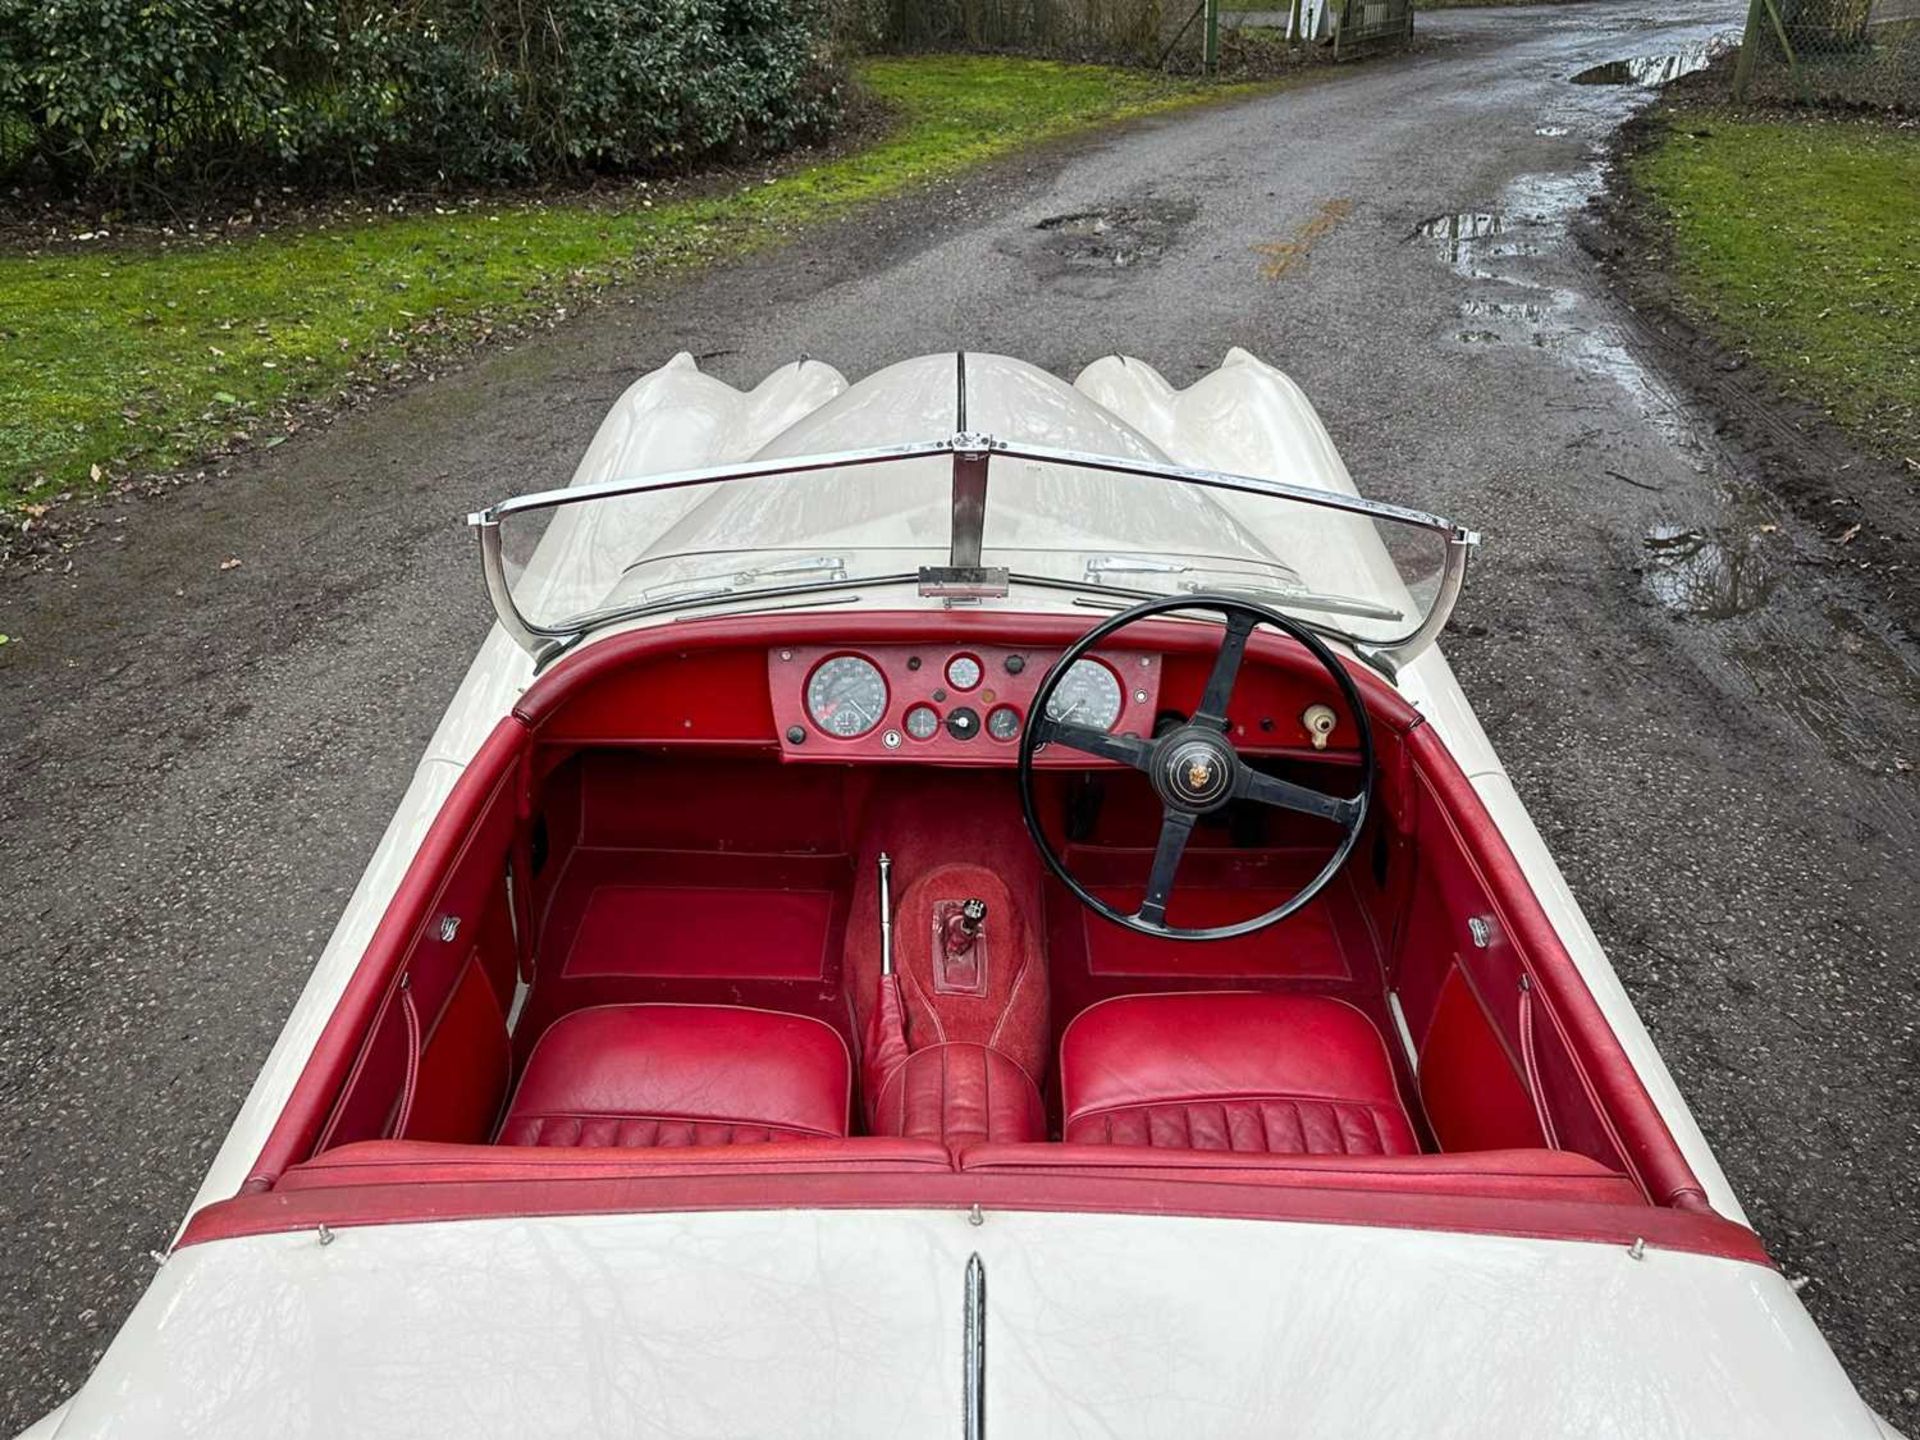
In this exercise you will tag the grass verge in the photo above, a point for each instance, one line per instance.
(115, 358)
(1797, 241)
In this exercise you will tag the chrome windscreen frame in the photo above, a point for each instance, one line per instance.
(972, 454)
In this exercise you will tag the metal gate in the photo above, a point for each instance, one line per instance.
(1364, 24)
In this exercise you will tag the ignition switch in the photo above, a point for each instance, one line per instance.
(1319, 720)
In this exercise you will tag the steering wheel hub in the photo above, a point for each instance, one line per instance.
(1193, 770)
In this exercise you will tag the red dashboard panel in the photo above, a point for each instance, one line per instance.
(977, 723)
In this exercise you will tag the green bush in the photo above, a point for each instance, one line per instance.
(182, 94)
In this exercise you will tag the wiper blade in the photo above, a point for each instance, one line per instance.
(1271, 581)
(828, 567)
(1303, 599)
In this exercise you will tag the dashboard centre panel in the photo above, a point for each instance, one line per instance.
(962, 703)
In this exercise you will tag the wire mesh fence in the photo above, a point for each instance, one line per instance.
(1851, 52)
(1131, 31)
(1185, 36)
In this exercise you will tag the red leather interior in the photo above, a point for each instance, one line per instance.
(1475, 1095)
(681, 1075)
(960, 1093)
(440, 1071)
(1460, 990)
(721, 882)
(575, 792)
(1261, 1073)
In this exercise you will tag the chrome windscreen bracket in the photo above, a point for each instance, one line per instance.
(963, 577)
(953, 582)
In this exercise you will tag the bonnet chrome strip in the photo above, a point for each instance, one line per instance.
(973, 1402)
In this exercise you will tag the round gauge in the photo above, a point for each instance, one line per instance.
(1088, 694)
(846, 696)
(963, 672)
(923, 722)
(1004, 723)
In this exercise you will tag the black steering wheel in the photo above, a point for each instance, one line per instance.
(1194, 767)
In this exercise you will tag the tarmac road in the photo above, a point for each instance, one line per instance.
(1709, 729)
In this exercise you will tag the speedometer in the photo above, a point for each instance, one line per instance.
(846, 696)
(1088, 694)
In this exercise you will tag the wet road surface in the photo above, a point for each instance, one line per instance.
(1696, 696)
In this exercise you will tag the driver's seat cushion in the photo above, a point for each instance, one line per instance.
(671, 1075)
(1254, 1073)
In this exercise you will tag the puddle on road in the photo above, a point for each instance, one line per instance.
(1495, 246)
(1455, 233)
(1648, 71)
(1710, 573)
(1520, 312)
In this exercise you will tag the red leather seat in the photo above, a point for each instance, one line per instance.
(645, 1075)
(1273, 1074)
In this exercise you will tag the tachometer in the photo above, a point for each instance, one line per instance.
(846, 696)
(1088, 694)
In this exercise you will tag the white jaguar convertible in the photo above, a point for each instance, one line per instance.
(964, 904)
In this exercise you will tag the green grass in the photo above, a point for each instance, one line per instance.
(1799, 241)
(122, 358)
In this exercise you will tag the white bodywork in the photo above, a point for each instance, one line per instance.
(848, 1323)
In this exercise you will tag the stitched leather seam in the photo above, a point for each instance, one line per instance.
(1185, 1110)
(631, 1116)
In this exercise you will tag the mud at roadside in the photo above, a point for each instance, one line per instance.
(1867, 505)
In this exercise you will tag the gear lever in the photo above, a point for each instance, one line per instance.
(960, 947)
(963, 927)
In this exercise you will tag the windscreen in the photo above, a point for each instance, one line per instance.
(576, 561)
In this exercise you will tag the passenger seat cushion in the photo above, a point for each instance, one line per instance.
(1274, 1074)
(659, 1075)
(960, 1093)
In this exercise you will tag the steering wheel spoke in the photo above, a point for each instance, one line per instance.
(1128, 750)
(1175, 830)
(1226, 670)
(1264, 789)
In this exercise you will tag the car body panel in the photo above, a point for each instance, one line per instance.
(849, 1323)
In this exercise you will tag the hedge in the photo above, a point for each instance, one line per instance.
(182, 94)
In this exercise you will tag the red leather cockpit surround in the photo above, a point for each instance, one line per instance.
(1223, 1070)
(673, 1075)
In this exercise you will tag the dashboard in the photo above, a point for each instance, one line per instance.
(961, 703)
